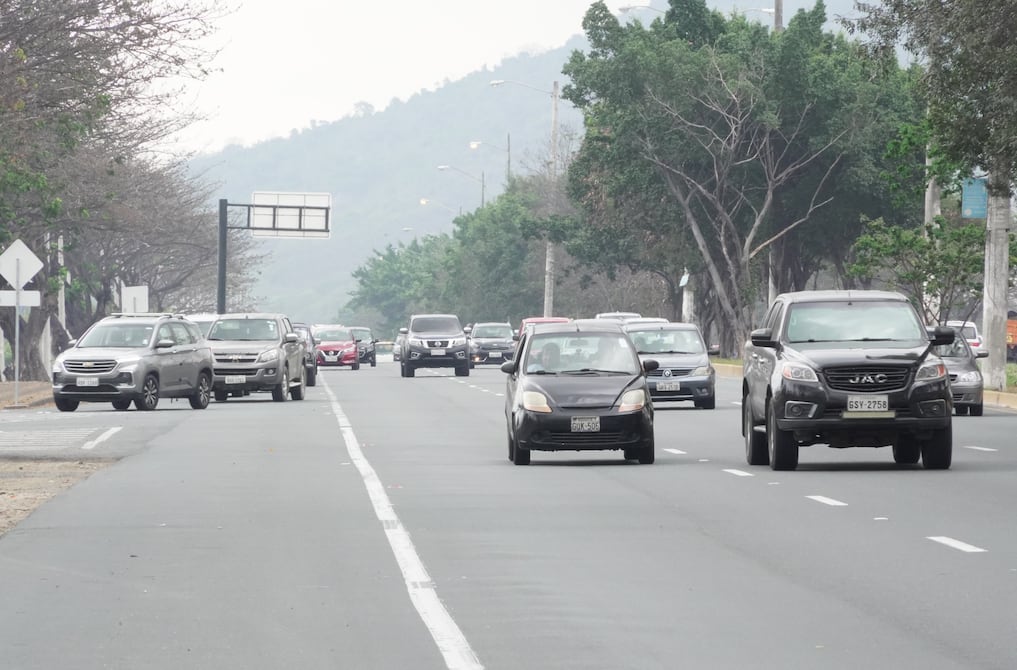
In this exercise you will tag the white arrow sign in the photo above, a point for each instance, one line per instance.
(18, 264)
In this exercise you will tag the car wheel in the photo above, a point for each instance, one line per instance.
(937, 452)
(202, 395)
(121, 405)
(520, 456)
(374, 361)
(410, 370)
(149, 394)
(781, 445)
(961, 409)
(708, 403)
(312, 376)
(906, 450)
(976, 410)
(356, 366)
(463, 370)
(756, 452)
(297, 392)
(630, 454)
(647, 454)
(472, 365)
(220, 396)
(65, 405)
(511, 448)
(280, 392)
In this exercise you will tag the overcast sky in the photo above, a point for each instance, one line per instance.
(286, 63)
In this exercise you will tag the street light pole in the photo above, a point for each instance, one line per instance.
(549, 280)
(481, 179)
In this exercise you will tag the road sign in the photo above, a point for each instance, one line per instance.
(18, 264)
(134, 298)
(974, 199)
(26, 299)
(276, 214)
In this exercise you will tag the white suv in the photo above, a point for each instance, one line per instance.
(969, 331)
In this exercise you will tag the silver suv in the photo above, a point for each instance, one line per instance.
(257, 352)
(137, 358)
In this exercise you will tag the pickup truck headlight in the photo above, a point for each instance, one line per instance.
(797, 372)
(414, 342)
(270, 355)
(632, 400)
(931, 371)
(457, 342)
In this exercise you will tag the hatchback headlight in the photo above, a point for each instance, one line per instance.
(535, 402)
(270, 355)
(931, 371)
(632, 400)
(702, 371)
(797, 372)
(970, 376)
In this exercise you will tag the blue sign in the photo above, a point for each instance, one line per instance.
(974, 199)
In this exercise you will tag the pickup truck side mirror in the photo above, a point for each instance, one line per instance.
(943, 335)
(763, 337)
(291, 337)
(404, 331)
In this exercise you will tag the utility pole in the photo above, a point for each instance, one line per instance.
(549, 250)
(997, 271)
(771, 260)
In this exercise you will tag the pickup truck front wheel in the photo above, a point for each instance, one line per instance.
(280, 391)
(780, 444)
(937, 452)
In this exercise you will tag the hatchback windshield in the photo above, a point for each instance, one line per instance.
(127, 335)
(497, 330)
(959, 349)
(859, 321)
(667, 341)
(578, 353)
(436, 324)
(244, 330)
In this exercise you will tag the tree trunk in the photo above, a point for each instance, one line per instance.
(997, 272)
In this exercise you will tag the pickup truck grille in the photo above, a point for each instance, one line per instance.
(93, 366)
(236, 358)
(437, 344)
(868, 379)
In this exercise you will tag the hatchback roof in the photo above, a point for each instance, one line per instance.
(672, 325)
(580, 326)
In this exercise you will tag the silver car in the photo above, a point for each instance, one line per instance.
(684, 370)
(137, 358)
(966, 382)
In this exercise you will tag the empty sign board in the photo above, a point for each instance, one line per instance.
(276, 214)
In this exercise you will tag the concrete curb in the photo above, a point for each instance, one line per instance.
(994, 398)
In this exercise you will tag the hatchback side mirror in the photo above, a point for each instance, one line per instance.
(649, 365)
(508, 367)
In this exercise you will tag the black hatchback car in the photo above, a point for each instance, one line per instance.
(491, 343)
(578, 386)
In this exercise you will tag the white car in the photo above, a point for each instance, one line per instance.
(970, 332)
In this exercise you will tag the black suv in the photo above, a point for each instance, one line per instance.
(434, 341)
(137, 358)
(491, 343)
(366, 341)
(846, 369)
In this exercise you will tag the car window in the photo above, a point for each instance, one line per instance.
(195, 332)
(126, 335)
(244, 330)
(333, 334)
(567, 353)
(959, 349)
(851, 321)
(435, 324)
(668, 341)
(496, 330)
(362, 334)
(180, 333)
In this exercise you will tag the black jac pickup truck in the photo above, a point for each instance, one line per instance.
(846, 369)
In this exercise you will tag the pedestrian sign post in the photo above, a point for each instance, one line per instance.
(18, 265)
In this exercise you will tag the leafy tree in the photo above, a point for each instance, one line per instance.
(725, 132)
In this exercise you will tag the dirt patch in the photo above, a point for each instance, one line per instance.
(27, 484)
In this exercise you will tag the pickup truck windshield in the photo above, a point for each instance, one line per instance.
(854, 321)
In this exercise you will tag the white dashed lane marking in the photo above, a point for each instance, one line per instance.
(827, 501)
(738, 473)
(102, 438)
(966, 446)
(677, 452)
(956, 544)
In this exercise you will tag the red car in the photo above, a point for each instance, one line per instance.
(336, 347)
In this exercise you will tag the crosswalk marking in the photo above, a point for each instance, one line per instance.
(33, 440)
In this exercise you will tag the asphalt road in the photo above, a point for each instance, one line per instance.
(379, 524)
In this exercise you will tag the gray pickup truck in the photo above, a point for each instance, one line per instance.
(257, 352)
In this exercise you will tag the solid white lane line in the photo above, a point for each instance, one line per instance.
(102, 438)
(827, 501)
(444, 631)
(678, 452)
(956, 544)
(979, 448)
(738, 473)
